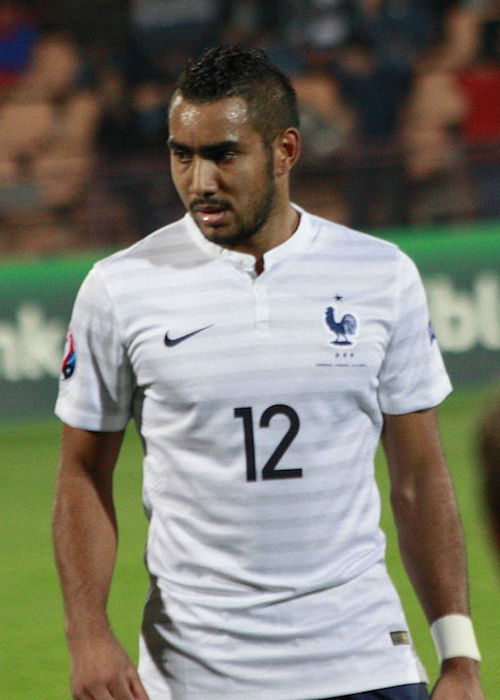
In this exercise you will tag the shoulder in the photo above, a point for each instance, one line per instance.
(345, 241)
(128, 273)
(155, 249)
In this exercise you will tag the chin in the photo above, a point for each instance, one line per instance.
(222, 236)
(221, 239)
(215, 234)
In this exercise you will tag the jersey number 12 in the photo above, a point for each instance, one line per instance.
(269, 470)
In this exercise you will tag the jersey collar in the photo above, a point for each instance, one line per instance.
(299, 241)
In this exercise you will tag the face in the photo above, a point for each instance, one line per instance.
(222, 169)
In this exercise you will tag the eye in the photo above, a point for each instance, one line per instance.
(181, 156)
(224, 156)
(228, 155)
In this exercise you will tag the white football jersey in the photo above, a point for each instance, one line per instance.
(260, 402)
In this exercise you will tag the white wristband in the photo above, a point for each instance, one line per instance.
(453, 635)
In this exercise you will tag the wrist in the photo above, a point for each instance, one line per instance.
(464, 670)
(460, 663)
(84, 630)
(454, 637)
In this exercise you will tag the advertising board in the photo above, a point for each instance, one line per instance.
(460, 268)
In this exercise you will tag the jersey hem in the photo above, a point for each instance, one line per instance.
(396, 408)
(362, 684)
(84, 421)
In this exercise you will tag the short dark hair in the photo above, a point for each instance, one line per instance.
(231, 71)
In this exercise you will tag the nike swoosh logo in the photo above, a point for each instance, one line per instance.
(170, 342)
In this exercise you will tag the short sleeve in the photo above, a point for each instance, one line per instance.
(96, 385)
(413, 376)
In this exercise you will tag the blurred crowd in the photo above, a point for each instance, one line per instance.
(400, 109)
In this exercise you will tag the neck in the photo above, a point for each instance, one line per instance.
(280, 226)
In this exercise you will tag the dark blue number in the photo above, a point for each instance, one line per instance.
(269, 471)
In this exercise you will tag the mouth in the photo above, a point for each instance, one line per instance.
(210, 214)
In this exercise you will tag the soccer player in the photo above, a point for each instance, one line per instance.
(262, 353)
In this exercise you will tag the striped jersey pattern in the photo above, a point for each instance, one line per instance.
(260, 401)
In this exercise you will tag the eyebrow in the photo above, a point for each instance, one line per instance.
(209, 151)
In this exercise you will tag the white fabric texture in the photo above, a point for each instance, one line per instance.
(260, 417)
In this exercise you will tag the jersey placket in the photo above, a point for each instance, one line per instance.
(261, 302)
(245, 264)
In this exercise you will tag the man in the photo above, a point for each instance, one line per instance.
(262, 351)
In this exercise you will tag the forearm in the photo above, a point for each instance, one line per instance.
(431, 542)
(84, 527)
(85, 540)
(432, 549)
(85, 543)
(425, 511)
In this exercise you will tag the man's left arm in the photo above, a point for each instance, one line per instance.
(430, 535)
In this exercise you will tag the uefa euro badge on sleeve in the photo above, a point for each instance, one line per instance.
(69, 361)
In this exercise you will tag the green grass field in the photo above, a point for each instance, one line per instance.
(33, 655)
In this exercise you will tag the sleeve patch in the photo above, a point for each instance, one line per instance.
(69, 361)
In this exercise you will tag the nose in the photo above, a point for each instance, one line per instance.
(203, 177)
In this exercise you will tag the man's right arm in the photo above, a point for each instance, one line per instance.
(85, 540)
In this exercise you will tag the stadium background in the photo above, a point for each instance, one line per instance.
(400, 112)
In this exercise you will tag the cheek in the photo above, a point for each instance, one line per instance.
(179, 180)
(254, 181)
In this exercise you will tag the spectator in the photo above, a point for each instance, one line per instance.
(438, 187)
(456, 35)
(136, 75)
(131, 133)
(171, 31)
(327, 122)
(479, 84)
(439, 180)
(18, 36)
(47, 128)
(397, 30)
(133, 96)
(250, 22)
(319, 26)
(95, 25)
(376, 92)
(397, 103)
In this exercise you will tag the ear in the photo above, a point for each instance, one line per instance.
(286, 151)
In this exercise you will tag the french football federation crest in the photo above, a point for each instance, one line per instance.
(345, 329)
(69, 361)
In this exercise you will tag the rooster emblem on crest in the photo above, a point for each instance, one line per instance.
(346, 326)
